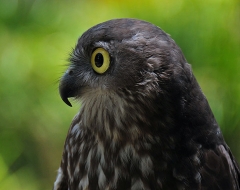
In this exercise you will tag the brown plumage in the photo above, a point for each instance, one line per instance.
(144, 123)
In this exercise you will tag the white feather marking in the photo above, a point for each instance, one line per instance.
(137, 185)
(84, 182)
(196, 159)
(75, 129)
(198, 177)
(74, 149)
(89, 159)
(68, 165)
(100, 150)
(101, 178)
(126, 153)
(80, 149)
(146, 165)
(116, 176)
(58, 181)
(71, 142)
(76, 171)
(102, 160)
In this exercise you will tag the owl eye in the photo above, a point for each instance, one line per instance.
(100, 60)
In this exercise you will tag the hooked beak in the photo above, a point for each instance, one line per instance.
(68, 87)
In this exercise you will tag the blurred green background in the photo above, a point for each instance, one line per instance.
(35, 40)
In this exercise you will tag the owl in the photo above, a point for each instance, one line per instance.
(144, 123)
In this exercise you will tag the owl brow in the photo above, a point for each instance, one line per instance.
(102, 44)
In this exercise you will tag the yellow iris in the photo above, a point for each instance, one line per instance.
(100, 60)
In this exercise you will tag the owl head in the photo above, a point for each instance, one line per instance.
(127, 57)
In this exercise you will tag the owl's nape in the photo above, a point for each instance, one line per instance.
(144, 122)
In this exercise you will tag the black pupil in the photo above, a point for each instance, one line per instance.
(99, 60)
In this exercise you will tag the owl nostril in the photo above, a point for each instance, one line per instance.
(70, 72)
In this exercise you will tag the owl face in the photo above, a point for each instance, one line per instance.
(109, 58)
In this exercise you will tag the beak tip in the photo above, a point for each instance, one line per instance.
(67, 102)
(64, 92)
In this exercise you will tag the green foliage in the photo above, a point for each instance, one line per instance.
(35, 40)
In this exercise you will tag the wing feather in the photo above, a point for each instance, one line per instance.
(219, 170)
